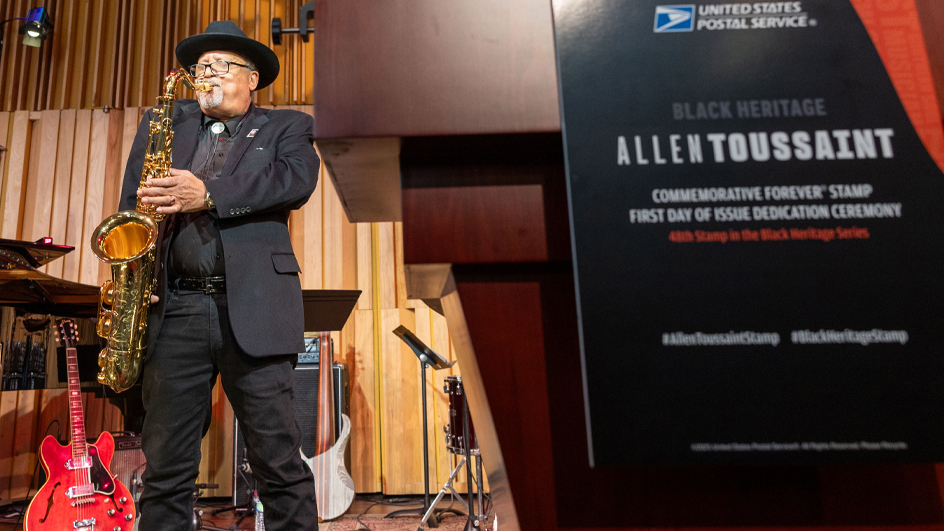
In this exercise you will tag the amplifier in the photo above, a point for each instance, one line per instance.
(128, 463)
(306, 408)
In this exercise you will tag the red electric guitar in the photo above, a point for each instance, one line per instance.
(80, 494)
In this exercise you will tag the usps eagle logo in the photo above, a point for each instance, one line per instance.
(674, 18)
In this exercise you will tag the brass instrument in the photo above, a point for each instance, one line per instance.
(127, 241)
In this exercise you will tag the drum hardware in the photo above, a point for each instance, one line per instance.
(446, 487)
(455, 429)
(476, 521)
(461, 441)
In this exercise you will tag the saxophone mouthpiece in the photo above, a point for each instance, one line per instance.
(202, 86)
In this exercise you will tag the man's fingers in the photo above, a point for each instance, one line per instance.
(167, 205)
(155, 299)
(181, 173)
(165, 182)
(159, 200)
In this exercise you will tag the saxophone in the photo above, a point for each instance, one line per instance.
(127, 241)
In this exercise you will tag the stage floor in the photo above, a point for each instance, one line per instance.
(372, 508)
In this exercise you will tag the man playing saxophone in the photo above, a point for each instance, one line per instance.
(228, 297)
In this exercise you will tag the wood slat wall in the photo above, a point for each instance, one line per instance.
(115, 52)
(61, 176)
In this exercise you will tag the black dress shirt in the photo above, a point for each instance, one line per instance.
(196, 249)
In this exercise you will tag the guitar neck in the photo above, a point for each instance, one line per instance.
(77, 418)
(325, 433)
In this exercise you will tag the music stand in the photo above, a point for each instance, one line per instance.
(326, 310)
(427, 356)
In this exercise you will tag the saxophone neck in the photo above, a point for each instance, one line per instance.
(192, 83)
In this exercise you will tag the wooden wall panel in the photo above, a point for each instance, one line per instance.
(111, 171)
(217, 448)
(365, 266)
(385, 255)
(23, 447)
(434, 401)
(4, 130)
(75, 235)
(8, 420)
(401, 421)
(365, 419)
(92, 271)
(62, 191)
(37, 210)
(14, 175)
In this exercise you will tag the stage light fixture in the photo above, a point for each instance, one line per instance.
(37, 27)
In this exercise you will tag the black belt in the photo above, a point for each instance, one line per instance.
(205, 284)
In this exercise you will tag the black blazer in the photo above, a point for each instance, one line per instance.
(266, 175)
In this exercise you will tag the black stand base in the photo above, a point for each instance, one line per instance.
(197, 523)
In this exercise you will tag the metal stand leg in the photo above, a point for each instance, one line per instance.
(478, 485)
(475, 522)
(446, 486)
(427, 507)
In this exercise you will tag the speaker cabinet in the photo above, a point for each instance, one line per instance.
(306, 409)
(128, 463)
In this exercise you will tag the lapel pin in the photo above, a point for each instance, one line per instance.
(251, 133)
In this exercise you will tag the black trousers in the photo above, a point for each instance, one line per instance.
(195, 344)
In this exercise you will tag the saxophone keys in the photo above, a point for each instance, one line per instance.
(104, 323)
(108, 293)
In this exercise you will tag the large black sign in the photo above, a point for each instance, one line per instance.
(757, 236)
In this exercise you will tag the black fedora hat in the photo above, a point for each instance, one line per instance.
(225, 35)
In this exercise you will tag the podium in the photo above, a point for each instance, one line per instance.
(444, 115)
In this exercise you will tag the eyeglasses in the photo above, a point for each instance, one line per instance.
(217, 68)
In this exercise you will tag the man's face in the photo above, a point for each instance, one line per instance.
(231, 93)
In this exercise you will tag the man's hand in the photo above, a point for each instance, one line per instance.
(181, 192)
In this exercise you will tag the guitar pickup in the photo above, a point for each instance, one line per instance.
(79, 491)
(78, 463)
(84, 525)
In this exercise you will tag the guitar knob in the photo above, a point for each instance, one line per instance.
(111, 512)
(123, 499)
(116, 528)
(128, 517)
